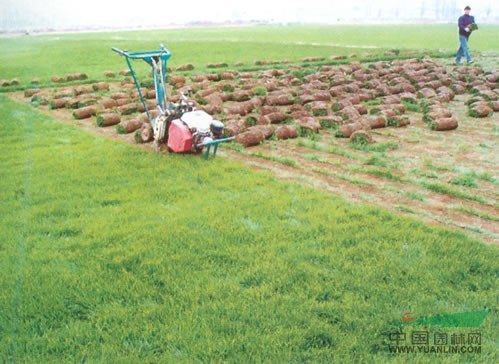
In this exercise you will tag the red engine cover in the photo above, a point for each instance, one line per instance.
(179, 137)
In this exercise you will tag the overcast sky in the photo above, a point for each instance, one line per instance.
(64, 14)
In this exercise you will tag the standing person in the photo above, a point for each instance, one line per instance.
(464, 22)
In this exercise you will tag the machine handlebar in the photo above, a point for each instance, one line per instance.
(120, 52)
(163, 52)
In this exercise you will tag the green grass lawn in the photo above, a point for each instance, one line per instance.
(109, 253)
(47, 55)
(112, 254)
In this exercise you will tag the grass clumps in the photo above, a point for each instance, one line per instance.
(276, 158)
(424, 106)
(466, 180)
(260, 91)
(250, 121)
(386, 174)
(411, 106)
(376, 147)
(298, 74)
(477, 213)
(447, 190)
(376, 160)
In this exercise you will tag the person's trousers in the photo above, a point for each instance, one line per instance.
(463, 49)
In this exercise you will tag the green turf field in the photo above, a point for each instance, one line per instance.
(55, 54)
(111, 254)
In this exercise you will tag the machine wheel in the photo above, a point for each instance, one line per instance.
(146, 133)
(197, 150)
(137, 136)
(160, 125)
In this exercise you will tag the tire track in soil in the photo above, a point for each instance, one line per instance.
(409, 186)
(435, 209)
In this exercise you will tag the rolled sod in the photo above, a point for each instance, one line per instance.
(127, 109)
(361, 137)
(121, 102)
(480, 109)
(279, 99)
(109, 104)
(437, 114)
(84, 113)
(64, 93)
(185, 67)
(57, 79)
(286, 132)
(31, 92)
(73, 103)
(267, 130)
(276, 117)
(119, 95)
(250, 138)
(398, 121)
(85, 89)
(108, 119)
(444, 124)
(109, 74)
(101, 86)
(76, 76)
(40, 99)
(347, 130)
(58, 103)
(376, 121)
(128, 127)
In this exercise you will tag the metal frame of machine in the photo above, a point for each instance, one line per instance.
(205, 132)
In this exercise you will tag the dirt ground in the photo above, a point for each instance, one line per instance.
(400, 178)
(472, 147)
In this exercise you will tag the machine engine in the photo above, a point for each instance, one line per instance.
(192, 131)
(178, 125)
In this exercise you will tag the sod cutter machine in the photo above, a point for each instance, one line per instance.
(183, 128)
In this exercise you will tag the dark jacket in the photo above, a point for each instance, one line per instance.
(463, 23)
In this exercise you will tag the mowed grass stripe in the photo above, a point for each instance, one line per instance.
(134, 256)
